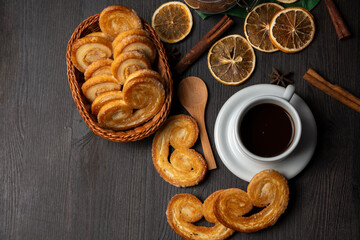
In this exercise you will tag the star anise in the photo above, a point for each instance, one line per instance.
(277, 78)
(172, 53)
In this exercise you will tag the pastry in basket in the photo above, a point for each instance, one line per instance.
(116, 19)
(185, 209)
(143, 97)
(101, 34)
(105, 98)
(127, 63)
(99, 67)
(136, 43)
(87, 50)
(186, 166)
(268, 190)
(97, 85)
(147, 73)
(131, 32)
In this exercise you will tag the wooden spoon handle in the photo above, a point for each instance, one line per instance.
(209, 156)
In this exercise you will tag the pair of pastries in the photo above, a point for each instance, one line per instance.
(123, 90)
(226, 208)
(186, 167)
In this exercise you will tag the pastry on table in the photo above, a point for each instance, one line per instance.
(116, 19)
(87, 50)
(184, 209)
(186, 166)
(268, 190)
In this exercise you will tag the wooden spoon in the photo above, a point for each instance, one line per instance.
(193, 95)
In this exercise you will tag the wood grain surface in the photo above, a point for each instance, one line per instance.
(58, 180)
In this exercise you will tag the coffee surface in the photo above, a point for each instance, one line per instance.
(267, 130)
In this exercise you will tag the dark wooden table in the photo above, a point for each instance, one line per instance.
(58, 180)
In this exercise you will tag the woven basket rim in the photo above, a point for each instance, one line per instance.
(133, 134)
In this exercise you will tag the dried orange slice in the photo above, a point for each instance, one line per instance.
(287, 1)
(231, 60)
(257, 25)
(292, 29)
(172, 21)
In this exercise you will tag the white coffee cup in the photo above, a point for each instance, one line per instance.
(283, 102)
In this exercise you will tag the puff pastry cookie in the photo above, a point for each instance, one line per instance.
(136, 43)
(185, 209)
(105, 98)
(98, 85)
(99, 67)
(101, 34)
(267, 189)
(87, 50)
(116, 19)
(128, 63)
(143, 97)
(131, 32)
(186, 166)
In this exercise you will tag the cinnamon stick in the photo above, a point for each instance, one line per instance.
(205, 43)
(341, 28)
(334, 91)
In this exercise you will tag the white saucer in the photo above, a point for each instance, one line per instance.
(236, 161)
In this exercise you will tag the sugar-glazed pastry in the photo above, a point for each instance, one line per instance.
(116, 19)
(185, 209)
(127, 63)
(101, 34)
(186, 166)
(147, 73)
(136, 32)
(143, 98)
(136, 43)
(99, 67)
(87, 50)
(105, 98)
(268, 190)
(99, 84)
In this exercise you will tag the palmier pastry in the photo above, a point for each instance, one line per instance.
(267, 189)
(186, 166)
(143, 98)
(116, 19)
(127, 63)
(99, 67)
(104, 98)
(101, 34)
(185, 209)
(98, 85)
(87, 50)
(147, 73)
(136, 43)
(121, 36)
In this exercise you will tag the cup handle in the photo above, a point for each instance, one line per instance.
(289, 92)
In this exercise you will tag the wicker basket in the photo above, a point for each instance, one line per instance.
(76, 79)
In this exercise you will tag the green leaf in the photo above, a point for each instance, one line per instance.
(241, 12)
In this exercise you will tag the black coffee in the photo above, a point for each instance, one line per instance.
(267, 130)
